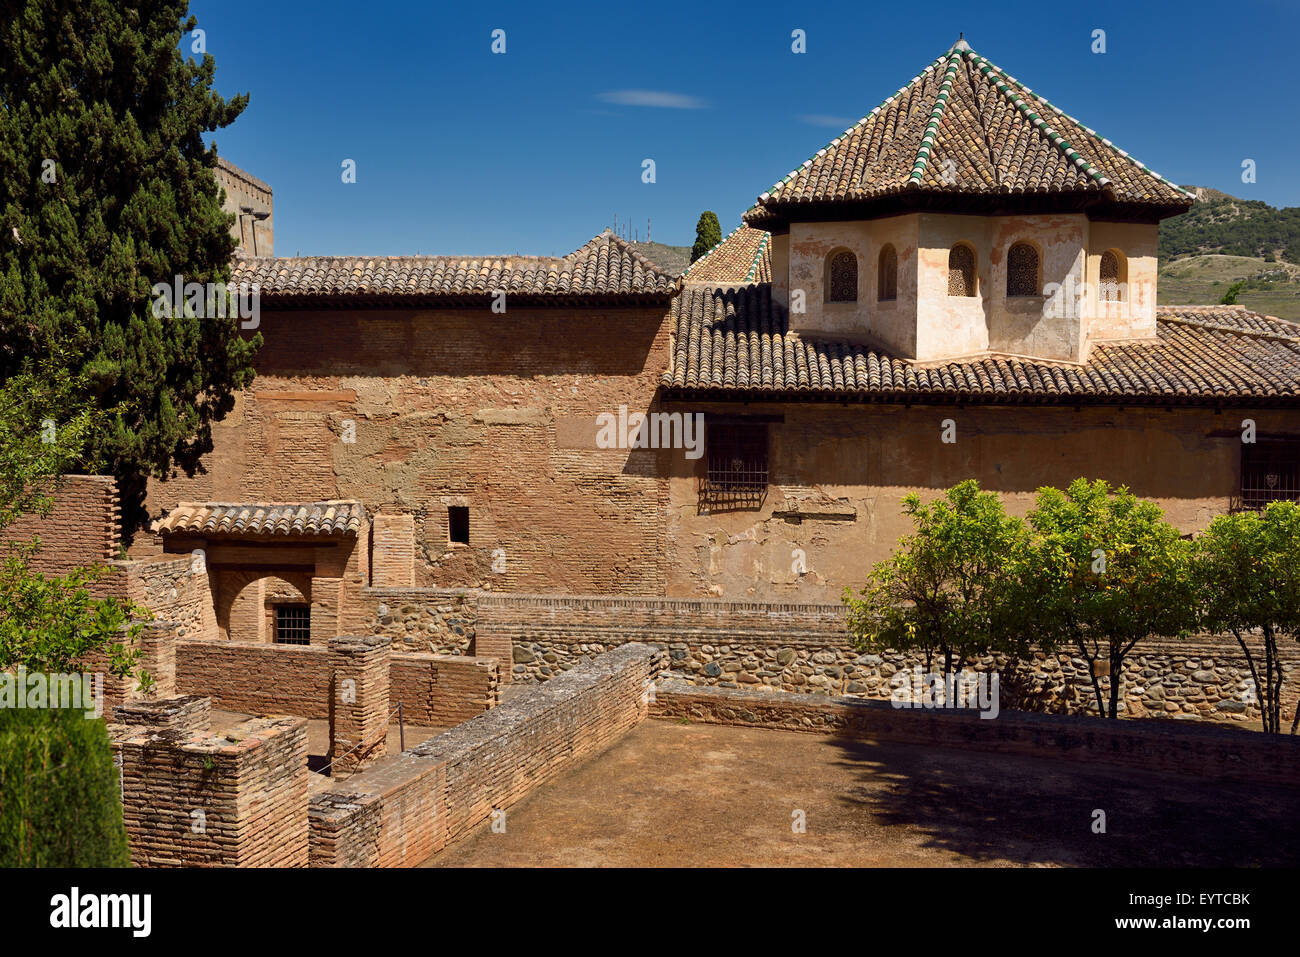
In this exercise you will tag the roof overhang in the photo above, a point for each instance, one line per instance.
(342, 518)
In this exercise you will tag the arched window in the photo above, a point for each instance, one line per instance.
(961, 270)
(842, 277)
(1111, 288)
(887, 280)
(1022, 270)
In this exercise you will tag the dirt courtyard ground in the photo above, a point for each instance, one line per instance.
(678, 794)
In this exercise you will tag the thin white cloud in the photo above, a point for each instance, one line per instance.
(821, 119)
(657, 98)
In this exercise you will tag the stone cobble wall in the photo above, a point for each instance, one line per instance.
(197, 799)
(805, 648)
(434, 793)
(423, 619)
(1204, 751)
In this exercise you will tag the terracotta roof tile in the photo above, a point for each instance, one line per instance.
(743, 257)
(606, 267)
(964, 126)
(737, 340)
(334, 518)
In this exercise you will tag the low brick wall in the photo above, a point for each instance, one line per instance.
(435, 793)
(81, 528)
(254, 677)
(438, 691)
(236, 799)
(1181, 748)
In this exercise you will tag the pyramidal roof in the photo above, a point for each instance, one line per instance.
(966, 128)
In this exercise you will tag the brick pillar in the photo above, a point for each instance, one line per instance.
(358, 701)
(326, 604)
(499, 647)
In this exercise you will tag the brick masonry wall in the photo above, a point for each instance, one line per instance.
(81, 528)
(460, 407)
(255, 677)
(262, 678)
(1211, 752)
(439, 691)
(234, 799)
(437, 792)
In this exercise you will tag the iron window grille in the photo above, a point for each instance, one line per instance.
(736, 474)
(1270, 472)
(293, 624)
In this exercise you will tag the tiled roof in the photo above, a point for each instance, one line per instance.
(963, 126)
(744, 257)
(343, 517)
(606, 267)
(737, 342)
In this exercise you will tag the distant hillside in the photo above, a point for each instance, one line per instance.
(673, 259)
(1223, 239)
(1219, 223)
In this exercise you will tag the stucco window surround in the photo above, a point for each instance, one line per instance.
(1024, 271)
(963, 277)
(841, 276)
(887, 274)
(1112, 281)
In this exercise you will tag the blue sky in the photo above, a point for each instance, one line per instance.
(460, 150)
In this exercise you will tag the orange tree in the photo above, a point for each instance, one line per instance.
(1248, 572)
(1108, 571)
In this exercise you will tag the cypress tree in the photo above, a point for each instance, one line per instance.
(708, 233)
(106, 188)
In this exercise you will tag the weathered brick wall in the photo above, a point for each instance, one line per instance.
(438, 791)
(438, 691)
(80, 530)
(1212, 752)
(255, 677)
(460, 407)
(259, 678)
(392, 555)
(234, 799)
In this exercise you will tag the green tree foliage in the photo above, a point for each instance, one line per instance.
(951, 588)
(106, 188)
(1248, 570)
(1230, 297)
(708, 233)
(51, 623)
(59, 791)
(1109, 570)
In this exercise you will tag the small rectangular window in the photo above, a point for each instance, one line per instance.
(293, 624)
(1270, 472)
(736, 457)
(458, 524)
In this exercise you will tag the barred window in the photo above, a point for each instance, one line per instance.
(1022, 270)
(1112, 279)
(961, 270)
(736, 457)
(842, 279)
(1270, 472)
(887, 283)
(293, 624)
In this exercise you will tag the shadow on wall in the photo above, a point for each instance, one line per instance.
(1034, 811)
